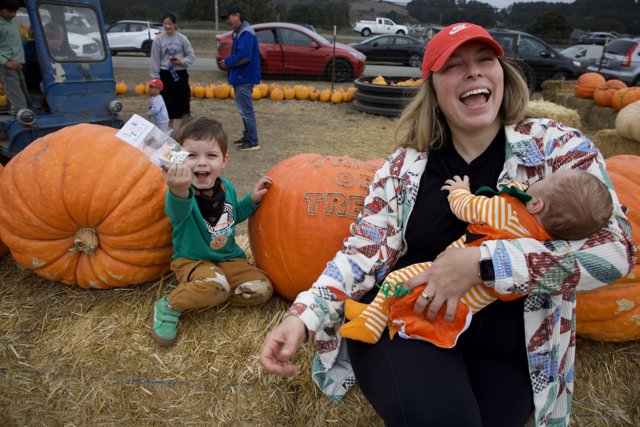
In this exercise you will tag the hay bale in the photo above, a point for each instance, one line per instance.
(71, 356)
(610, 143)
(542, 108)
(553, 88)
(593, 116)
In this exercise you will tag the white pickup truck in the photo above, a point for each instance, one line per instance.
(379, 26)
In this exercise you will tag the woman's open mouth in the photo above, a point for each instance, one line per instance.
(475, 97)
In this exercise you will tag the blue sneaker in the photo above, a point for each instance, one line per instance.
(164, 327)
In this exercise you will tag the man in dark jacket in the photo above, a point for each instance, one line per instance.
(244, 71)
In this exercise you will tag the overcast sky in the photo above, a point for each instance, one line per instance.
(500, 4)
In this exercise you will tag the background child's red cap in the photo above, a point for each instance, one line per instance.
(443, 44)
(157, 83)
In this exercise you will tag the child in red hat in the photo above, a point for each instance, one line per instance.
(158, 110)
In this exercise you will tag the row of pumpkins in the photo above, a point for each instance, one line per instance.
(105, 227)
(615, 94)
(275, 92)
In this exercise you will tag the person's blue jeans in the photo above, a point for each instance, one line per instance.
(244, 101)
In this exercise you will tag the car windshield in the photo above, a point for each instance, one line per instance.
(572, 51)
(64, 32)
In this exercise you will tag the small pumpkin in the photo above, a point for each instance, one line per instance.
(587, 84)
(264, 90)
(302, 93)
(198, 90)
(314, 95)
(325, 95)
(121, 88)
(289, 93)
(603, 95)
(222, 91)
(336, 97)
(210, 91)
(277, 94)
(139, 89)
(72, 219)
(627, 123)
(256, 94)
(612, 313)
(304, 217)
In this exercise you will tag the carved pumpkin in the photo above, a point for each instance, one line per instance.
(627, 122)
(305, 216)
(587, 83)
(81, 207)
(612, 313)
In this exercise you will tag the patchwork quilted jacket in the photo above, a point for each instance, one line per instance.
(548, 273)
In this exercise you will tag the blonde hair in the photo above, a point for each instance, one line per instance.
(580, 207)
(422, 126)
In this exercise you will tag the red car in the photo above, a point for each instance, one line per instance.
(292, 49)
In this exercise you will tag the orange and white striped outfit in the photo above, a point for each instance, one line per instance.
(500, 217)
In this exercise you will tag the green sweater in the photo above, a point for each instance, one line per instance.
(10, 43)
(191, 236)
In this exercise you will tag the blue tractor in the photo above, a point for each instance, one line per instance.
(69, 82)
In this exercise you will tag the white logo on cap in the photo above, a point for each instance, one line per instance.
(457, 28)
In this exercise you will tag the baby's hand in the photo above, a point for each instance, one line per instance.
(261, 189)
(456, 182)
(179, 180)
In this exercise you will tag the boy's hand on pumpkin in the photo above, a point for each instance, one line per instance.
(179, 180)
(261, 189)
(456, 182)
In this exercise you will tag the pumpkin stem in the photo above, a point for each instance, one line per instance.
(85, 240)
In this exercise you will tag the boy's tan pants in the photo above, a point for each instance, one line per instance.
(207, 284)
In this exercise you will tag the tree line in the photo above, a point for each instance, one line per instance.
(539, 17)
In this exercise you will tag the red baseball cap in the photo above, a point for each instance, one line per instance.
(443, 44)
(157, 83)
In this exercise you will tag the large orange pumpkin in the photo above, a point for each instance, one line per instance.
(81, 207)
(3, 248)
(305, 216)
(587, 83)
(612, 313)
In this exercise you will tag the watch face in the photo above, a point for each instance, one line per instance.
(486, 270)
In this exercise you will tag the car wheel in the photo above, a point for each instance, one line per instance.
(414, 60)
(344, 72)
(365, 32)
(400, 32)
(559, 75)
(146, 47)
(527, 73)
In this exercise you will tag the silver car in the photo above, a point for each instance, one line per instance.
(621, 61)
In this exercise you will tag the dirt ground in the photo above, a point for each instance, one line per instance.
(285, 128)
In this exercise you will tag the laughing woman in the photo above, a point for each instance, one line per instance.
(517, 357)
(171, 55)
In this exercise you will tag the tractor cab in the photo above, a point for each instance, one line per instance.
(68, 72)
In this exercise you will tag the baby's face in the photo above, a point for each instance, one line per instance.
(153, 90)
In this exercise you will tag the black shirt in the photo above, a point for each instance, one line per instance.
(432, 226)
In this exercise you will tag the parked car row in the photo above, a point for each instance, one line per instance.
(292, 49)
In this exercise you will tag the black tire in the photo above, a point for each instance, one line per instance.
(366, 32)
(527, 73)
(414, 60)
(344, 71)
(146, 47)
(560, 75)
(400, 32)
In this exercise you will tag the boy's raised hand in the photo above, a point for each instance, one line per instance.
(456, 182)
(261, 189)
(179, 180)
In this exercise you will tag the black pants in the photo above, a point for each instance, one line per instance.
(483, 381)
